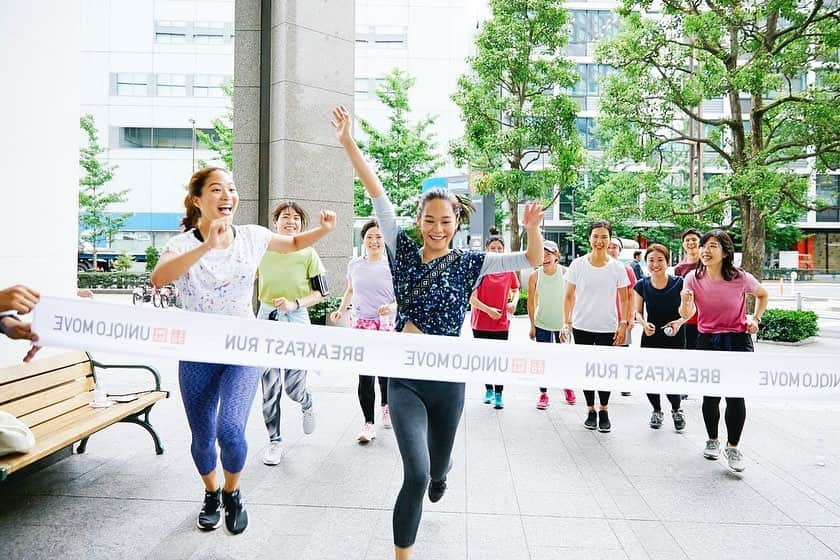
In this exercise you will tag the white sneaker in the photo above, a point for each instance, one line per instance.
(308, 421)
(734, 458)
(367, 434)
(712, 450)
(273, 453)
(386, 417)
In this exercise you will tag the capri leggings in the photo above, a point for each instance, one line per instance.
(425, 416)
(597, 339)
(736, 407)
(217, 399)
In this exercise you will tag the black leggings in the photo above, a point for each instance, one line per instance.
(367, 395)
(492, 335)
(425, 415)
(736, 408)
(596, 339)
(656, 403)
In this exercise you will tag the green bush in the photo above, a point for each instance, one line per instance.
(318, 313)
(784, 325)
(123, 262)
(522, 304)
(152, 257)
(112, 280)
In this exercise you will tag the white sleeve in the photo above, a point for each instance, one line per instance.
(572, 273)
(387, 220)
(504, 262)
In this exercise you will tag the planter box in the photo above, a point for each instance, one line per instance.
(803, 342)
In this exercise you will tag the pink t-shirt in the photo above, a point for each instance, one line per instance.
(721, 304)
(632, 277)
(494, 290)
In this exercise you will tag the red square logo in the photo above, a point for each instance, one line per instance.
(177, 336)
(159, 335)
(519, 366)
(538, 367)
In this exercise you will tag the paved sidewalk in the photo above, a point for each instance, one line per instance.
(526, 485)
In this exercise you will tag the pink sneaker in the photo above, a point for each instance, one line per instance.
(542, 404)
(570, 396)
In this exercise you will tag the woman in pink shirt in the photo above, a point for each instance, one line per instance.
(716, 290)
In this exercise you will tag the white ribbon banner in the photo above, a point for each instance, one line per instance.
(86, 325)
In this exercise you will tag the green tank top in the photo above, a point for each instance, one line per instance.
(550, 291)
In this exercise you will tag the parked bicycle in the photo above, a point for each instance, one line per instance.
(160, 297)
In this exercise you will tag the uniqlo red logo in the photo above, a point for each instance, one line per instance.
(159, 335)
(519, 366)
(538, 367)
(177, 336)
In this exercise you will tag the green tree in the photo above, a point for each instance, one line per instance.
(152, 257)
(772, 64)
(221, 141)
(404, 154)
(123, 262)
(515, 116)
(96, 225)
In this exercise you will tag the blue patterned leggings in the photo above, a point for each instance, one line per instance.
(217, 399)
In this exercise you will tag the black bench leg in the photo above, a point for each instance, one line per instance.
(82, 445)
(144, 422)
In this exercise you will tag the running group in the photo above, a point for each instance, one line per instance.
(426, 287)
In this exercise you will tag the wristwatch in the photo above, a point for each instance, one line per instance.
(297, 302)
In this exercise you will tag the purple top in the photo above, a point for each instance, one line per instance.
(372, 286)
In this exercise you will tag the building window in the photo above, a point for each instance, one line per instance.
(132, 83)
(382, 35)
(586, 128)
(171, 32)
(828, 190)
(587, 27)
(361, 85)
(208, 85)
(209, 32)
(171, 138)
(172, 85)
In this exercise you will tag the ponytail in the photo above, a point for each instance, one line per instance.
(190, 220)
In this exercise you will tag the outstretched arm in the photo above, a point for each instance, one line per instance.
(343, 124)
(291, 243)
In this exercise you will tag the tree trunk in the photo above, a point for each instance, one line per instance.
(515, 238)
(753, 231)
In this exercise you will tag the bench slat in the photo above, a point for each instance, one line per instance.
(58, 409)
(12, 391)
(61, 432)
(32, 403)
(39, 366)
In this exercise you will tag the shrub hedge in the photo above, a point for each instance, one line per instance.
(787, 325)
(112, 280)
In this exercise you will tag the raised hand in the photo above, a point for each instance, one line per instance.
(218, 228)
(18, 298)
(327, 219)
(532, 216)
(687, 296)
(342, 123)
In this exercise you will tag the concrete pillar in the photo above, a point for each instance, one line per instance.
(311, 63)
(40, 147)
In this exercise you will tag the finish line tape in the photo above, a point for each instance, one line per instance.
(203, 337)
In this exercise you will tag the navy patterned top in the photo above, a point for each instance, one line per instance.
(444, 302)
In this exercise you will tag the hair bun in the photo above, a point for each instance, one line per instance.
(493, 230)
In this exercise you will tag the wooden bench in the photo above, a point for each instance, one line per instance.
(52, 396)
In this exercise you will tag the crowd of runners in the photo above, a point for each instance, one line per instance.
(400, 284)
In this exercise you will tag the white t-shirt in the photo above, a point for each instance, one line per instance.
(595, 289)
(222, 281)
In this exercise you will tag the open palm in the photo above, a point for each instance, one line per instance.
(342, 123)
(533, 215)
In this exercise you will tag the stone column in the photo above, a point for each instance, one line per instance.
(40, 147)
(311, 70)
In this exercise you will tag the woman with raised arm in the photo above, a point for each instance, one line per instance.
(425, 414)
(717, 291)
(213, 264)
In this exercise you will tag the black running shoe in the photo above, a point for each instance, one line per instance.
(236, 518)
(591, 422)
(436, 490)
(604, 421)
(210, 516)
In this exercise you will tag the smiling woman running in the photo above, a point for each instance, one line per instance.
(432, 284)
(213, 265)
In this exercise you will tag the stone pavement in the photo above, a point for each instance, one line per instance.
(526, 485)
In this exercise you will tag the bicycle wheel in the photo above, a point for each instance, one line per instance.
(164, 300)
(136, 298)
(156, 300)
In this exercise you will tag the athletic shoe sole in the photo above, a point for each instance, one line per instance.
(710, 457)
(214, 527)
